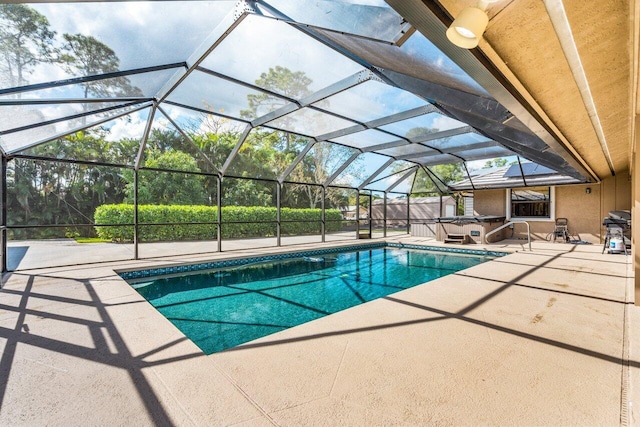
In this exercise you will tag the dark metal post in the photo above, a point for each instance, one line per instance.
(408, 214)
(278, 213)
(219, 219)
(358, 215)
(323, 217)
(370, 211)
(524, 180)
(3, 214)
(135, 214)
(440, 205)
(384, 214)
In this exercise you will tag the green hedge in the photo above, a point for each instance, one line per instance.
(306, 222)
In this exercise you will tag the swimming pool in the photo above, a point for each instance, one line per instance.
(225, 307)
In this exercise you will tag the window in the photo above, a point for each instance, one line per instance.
(530, 203)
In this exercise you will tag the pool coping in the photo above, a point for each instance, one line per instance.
(137, 273)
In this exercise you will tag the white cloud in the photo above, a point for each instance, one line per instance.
(131, 126)
(445, 123)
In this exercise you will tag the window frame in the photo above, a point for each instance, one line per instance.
(552, 206)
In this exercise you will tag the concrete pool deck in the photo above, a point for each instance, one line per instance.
(548, 337)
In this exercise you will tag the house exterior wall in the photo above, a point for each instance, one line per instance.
(583, 211)
(489, 202)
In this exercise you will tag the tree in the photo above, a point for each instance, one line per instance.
(170, 188)
(292, 84)
(86, 56)
(25, 41)
(495, 163)
(246, 192)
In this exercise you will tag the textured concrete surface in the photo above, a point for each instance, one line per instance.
(30, 254)
(535, 338)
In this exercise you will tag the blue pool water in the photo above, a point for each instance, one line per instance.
(224, 308)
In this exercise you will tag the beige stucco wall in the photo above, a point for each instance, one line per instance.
(489, 202)
(583, 211)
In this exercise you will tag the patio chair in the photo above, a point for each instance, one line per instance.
(561, 230)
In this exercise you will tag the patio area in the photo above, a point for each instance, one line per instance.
(548, 337)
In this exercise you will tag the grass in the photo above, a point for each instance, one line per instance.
(90, 240)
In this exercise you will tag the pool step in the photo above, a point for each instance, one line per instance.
(461, 239)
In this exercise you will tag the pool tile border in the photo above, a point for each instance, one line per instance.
(184, 268)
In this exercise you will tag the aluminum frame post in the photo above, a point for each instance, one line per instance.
(358, 215)
(384, 215)
(464, 164)
(278, 214)
(219, 213)
(145, 137)
(236, 149)
(521, 172)
(408, 214)
(135, 214)
(323, 217)
(3, 214)
(370, 211)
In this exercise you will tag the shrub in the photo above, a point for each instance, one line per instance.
(237, 222)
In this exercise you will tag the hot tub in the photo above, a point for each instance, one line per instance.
(476, 227)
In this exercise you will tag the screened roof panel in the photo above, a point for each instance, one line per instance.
(313, 50)
(371, 100)
(405, 185)
(385, 178)
(16, 141)
(17, 116)
(407, 150)
(131, 35)
(116, 141)
(421, 126)
(278, 57)
(365, 138)
(134, 85)
(198, 124)
(272, 150)
(424, 183)
(320, 163)
(217, 95)
(164, 137)
(417, 57)
(436, 159)
(458, 142)
(360, 169)
(390, 180)
(307, 121)
(485, 153)
(377, 21)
